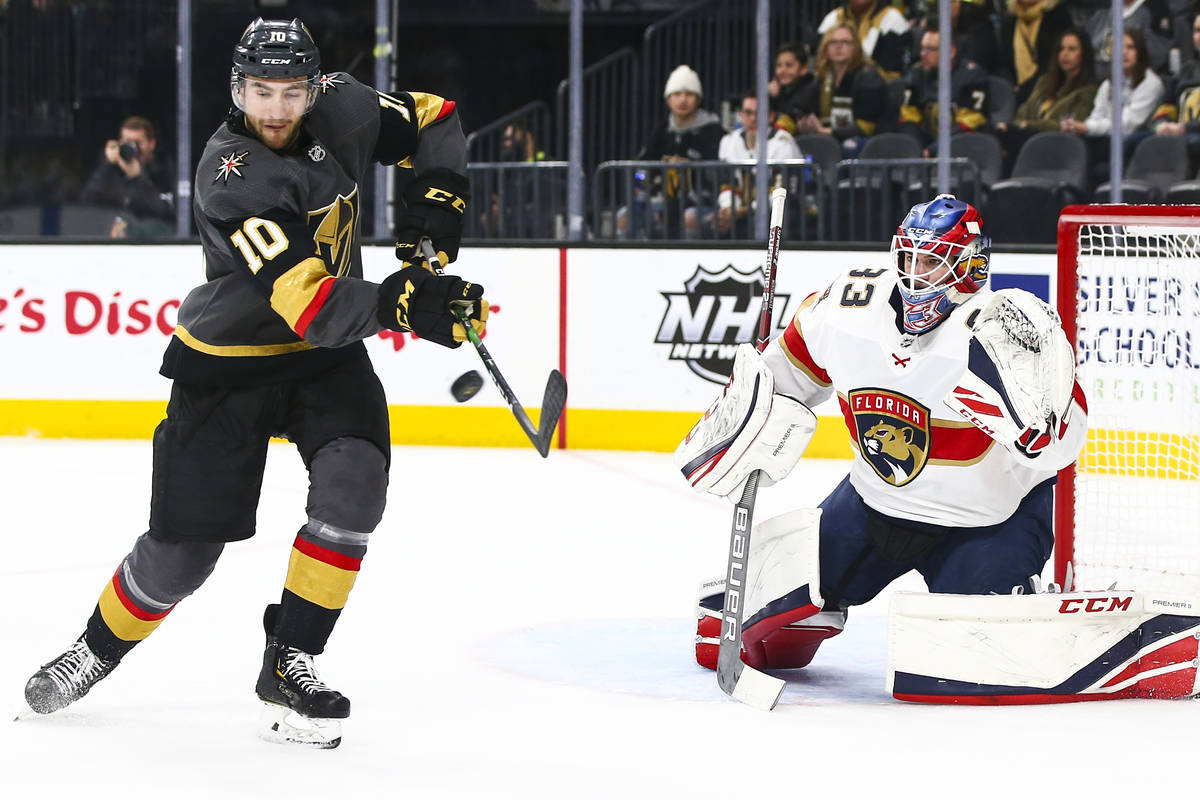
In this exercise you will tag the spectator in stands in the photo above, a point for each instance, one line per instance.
(517, 144)
(1065, 91)
(788, 89)
(1152, 17)
(133, 181)
(741, 146)
(849, 93)
(1029, 41)
(969, 89)
(882, 29)
(689, 133)
(1180, 115)
(1142, 93)
(516, 216)
(972, 28)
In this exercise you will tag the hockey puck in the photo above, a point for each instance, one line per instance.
(466, 386)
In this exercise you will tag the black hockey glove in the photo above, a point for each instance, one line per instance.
(414, 299)
(435, 206)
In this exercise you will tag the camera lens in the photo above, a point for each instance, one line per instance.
(129, 151)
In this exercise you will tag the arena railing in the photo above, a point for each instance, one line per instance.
(486, 144)
(657, 200)
(611, 88)
(517, 200)
(870, 196)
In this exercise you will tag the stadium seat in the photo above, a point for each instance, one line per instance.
(1051, 172)
(867, 203)
(1158, 163)
(1184, 193)
(984, 151)
(825, 151)
(891, 145)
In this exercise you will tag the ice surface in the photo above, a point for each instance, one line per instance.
(521, 628)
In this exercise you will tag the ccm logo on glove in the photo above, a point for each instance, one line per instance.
(442, 196)
(431, 306)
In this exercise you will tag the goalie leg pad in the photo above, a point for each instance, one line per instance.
(1043, 648)
(749, 427)
(794, 645)
(780, 590)
(790, 647)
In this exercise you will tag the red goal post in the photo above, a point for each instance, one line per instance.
(1128, 292)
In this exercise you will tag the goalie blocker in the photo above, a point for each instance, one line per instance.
(749, 427)
(1042, 648)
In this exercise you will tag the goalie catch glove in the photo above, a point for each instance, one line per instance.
(435, 205)
(416, 299)
(749, 427)
(1020, 374)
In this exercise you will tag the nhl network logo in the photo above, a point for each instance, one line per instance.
(716, 311)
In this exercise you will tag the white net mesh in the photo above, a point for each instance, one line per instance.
(1137, 491)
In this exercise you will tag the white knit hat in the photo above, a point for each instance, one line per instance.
(683, 79)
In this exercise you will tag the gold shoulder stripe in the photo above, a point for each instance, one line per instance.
(429, 106)
(239, 349)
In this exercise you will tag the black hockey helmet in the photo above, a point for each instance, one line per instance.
(276, 49)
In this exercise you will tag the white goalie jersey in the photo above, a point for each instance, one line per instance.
(916, 457)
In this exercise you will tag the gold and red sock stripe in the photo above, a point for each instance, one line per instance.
(126, 619)
(320, 575)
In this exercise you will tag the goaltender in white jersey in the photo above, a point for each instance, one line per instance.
(916, 458)
(961, 404)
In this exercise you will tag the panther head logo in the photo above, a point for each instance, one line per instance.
(892, 433)
(893, 446)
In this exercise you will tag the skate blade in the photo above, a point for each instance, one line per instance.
(284, 726)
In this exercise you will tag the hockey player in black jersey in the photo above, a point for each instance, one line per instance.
(271, 344)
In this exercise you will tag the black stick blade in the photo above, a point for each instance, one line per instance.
(553, 401)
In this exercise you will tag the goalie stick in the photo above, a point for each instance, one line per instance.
(553, 399)
(737, 679)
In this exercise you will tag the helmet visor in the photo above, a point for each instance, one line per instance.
(273, 97)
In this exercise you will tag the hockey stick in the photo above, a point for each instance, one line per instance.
(735, 677)
(554, 398)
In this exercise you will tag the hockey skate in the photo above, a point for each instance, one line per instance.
(66, 679)
(298, 707)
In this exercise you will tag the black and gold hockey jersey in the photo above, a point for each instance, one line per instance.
(284, 295)
(969, 99)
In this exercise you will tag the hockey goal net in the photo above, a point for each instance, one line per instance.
(1129, 296)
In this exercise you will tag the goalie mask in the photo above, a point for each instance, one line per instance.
(941, 256)
(276, 50)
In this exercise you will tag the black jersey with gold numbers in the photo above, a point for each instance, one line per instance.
(284, 295)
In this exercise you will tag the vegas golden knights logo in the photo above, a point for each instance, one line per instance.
(892, 433)
(333, 231)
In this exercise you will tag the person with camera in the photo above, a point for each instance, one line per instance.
(132, 180)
